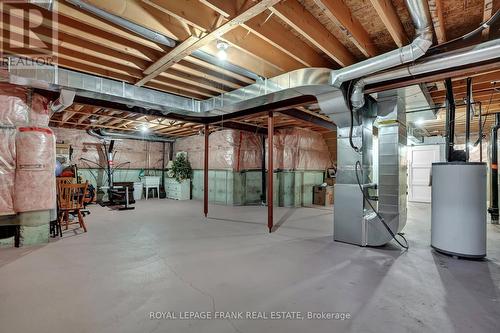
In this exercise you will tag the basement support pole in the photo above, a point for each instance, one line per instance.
(263, 171)
(205, 173)
(493, 209)
(468, 119)
(480, 133)
(270, 149)
(450, 120)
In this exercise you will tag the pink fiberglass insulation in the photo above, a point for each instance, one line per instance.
(228, 150)
(7, 169)
(13, 108)
(294, 149)
(129, 154)
(39, 115)
(299, 149)
(35, 175)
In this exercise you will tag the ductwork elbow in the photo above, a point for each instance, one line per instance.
(408, 53)
(358, 95)
(419, 11)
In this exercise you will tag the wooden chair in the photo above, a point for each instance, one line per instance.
(55, 227)
(64, 180)
(70, 199)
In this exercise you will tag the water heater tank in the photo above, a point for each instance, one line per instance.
(459, 209)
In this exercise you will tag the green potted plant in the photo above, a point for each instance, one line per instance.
(181, 168)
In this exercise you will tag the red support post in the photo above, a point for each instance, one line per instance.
(270, 134)
(205, 173)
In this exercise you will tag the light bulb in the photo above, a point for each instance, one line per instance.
(222, 55)
(419, 122)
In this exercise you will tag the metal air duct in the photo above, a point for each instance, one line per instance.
(135, 28)
(160, 38)
(419, 12)
(64, 101)
(113, 135)
(486, 51)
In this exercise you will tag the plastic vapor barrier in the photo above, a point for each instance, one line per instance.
(7, 169)
(294, 149)
(88, 151)
(228, 150)
(35, 172)
(27, 152)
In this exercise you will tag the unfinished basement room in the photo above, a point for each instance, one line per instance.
(249, 166)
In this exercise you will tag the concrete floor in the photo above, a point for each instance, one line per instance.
(164, 257)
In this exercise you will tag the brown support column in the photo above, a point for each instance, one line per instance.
(205, 174)
(270, 134)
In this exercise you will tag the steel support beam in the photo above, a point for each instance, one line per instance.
(297, 114)
(205, 172)
(270, 135)
(263, 170)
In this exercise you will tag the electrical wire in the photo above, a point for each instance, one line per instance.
(405, 246)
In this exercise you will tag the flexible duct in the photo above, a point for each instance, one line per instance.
(420, 15)
(104, 134)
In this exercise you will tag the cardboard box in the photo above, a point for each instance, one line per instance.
(323, 195)
(330, 181)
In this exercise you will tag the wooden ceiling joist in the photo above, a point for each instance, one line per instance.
(487, 12)
(436, 10)
(204, 21)
(246, 41)
(387, 13)
(277, 35)
(338, 12)
(302, 21)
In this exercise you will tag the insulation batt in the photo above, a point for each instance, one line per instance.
(130, 154)
(7, 169)
(228, 149)
(294, 149)
(13, 108)
(35, 176)
(39, 111)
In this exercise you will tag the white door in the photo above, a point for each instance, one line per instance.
(420, 159)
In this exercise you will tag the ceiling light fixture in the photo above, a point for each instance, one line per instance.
(222, 47)
(144, 129)
(419, 122)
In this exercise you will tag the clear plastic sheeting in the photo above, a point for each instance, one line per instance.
(88, 151)
(35, 177)
(300, 149)
(39, 115)
(294, 149)
(228, 150)
(7, 169)
(13, 108)
(27, 152)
